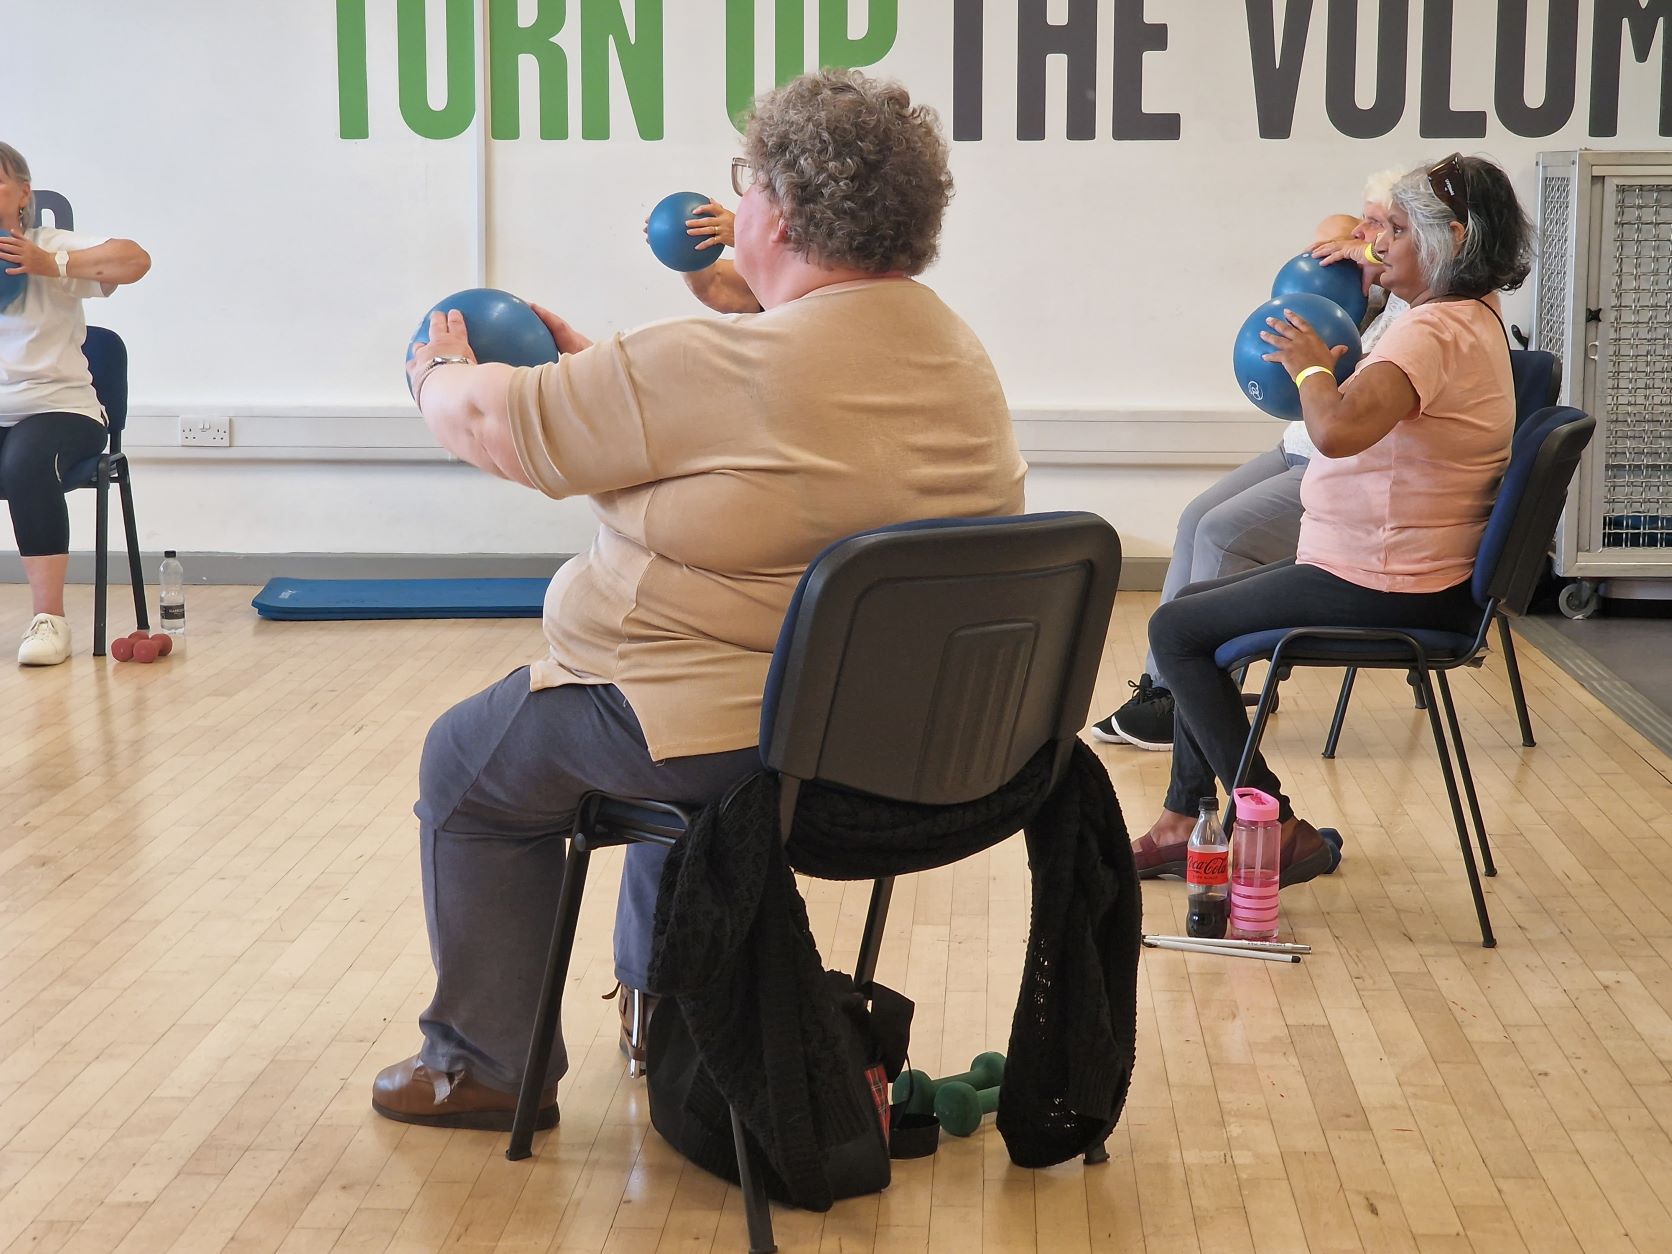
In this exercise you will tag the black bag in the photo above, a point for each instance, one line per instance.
(692, 1116)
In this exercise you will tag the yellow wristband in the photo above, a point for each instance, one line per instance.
(1370, 254)
(1306, 374)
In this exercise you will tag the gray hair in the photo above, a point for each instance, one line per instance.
(1497, 247)
(857, 171)
(1378, 188)
(14, 167)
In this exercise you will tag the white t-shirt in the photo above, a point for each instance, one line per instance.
(1295, 440)
(41, 366)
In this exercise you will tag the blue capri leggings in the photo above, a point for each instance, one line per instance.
(34, 454)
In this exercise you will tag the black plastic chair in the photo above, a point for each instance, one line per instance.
(925, 663)
(1507, 568)
(107, 359)
(1538, 385)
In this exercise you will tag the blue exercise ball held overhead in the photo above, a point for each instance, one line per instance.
(1267, 383)
(666, 231)
(501, 327)
(1342, 282)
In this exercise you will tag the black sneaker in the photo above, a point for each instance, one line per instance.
(1146, 720)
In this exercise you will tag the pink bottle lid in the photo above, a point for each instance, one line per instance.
(1254, 806)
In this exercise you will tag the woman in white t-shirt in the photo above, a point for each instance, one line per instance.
(50, 418)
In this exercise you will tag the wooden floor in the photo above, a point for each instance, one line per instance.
(211, 938)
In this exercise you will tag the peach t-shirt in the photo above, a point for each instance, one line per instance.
(720, 456)
(1407, 514)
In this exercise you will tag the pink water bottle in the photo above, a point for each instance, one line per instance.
(1256, 850)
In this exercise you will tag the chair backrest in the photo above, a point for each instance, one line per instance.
(1542, 459)
(1538, 381)
(929, 662)
(107, 359)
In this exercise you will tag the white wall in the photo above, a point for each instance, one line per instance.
(1106, 277)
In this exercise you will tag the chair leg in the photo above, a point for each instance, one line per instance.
(1487, 940)
(1340, 711)
(551, 1002)
(1515, 689)
(755, 1209)
(136, 574)
(870, 943)
(101, 555)
(1466, 773)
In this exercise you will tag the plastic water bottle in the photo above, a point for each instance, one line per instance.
(171, 596)
(1206, 873)
(1256, 851)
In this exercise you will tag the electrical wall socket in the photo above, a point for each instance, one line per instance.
(200, 432)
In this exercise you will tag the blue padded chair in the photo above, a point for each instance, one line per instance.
(927, 662)
(1518, 532)
(107, 359)
(1538, 385)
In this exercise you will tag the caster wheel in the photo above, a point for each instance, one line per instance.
(1578, 600)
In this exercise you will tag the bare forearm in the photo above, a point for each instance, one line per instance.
(113, 262)
(1345, 421)
(468, 410)
(722, 289)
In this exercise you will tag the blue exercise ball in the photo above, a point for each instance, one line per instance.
(501, 327)
(1267, 383)
(1342, 282)
(666, 232)
(12, 287)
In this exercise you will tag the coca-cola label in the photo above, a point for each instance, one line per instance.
(1208, 866)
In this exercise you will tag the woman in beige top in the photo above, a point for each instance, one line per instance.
(720, 455)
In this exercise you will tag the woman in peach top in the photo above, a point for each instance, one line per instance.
(1410, 452)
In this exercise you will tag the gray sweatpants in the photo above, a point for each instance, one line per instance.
(501, 777)
(1249, 518)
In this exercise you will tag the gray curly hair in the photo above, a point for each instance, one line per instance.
(1496, 252)
(14, 167)
(858, 172)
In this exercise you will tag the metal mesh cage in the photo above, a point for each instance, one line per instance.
(1637, 374)
(1554, 261)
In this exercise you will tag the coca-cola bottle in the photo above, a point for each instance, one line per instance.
(1207, 872)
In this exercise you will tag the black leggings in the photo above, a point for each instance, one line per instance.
(34, 455)
(1210, 724)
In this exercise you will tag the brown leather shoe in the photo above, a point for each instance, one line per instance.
(408, 1093)
(636, 1007)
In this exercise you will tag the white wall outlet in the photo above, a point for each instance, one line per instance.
(202, 432)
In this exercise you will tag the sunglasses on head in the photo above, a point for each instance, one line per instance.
(1446, 180)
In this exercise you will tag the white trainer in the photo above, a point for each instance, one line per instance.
(46, 643)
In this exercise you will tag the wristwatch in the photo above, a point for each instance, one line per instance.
(62, 257)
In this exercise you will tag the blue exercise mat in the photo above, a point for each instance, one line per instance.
(308, 600)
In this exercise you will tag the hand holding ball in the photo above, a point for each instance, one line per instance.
(1267, 383)
(668, 235)
(501, 327)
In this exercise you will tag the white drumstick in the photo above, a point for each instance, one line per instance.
(1224, 951)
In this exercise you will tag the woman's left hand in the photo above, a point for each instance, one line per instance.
(715, 221)
(447, 339)
(21, 255)
(1297, 345)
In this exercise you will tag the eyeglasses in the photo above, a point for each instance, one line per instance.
(1446, 180)
(742, 175)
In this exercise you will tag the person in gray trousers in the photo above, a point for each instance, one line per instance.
(1251, 517)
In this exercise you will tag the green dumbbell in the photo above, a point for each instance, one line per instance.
(917, 1090)
(960, 1107)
